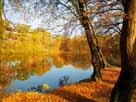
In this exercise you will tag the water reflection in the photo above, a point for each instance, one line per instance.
(63, 80)
(40, 88)
(28, 72)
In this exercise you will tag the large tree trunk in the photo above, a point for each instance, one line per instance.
(98, 60)
(126, 83)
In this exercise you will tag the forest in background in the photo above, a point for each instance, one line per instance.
(21, 39)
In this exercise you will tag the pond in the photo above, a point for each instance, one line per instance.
(29, 72)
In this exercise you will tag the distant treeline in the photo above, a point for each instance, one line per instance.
(22, 39)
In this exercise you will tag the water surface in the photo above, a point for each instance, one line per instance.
(26, 72)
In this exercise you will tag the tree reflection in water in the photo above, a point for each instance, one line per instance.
(40, 88)
(22, 66)
(63, 80)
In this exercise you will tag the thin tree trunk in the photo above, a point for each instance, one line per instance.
(1, 10)
(126, 83)
(1, 21)
(1, 27)
(98, 60)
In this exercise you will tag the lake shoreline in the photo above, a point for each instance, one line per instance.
(83, 91)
